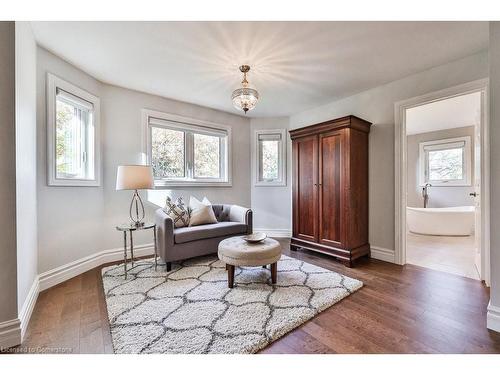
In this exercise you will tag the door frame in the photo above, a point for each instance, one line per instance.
(400, 153)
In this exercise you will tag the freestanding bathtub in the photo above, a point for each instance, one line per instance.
(446, 221)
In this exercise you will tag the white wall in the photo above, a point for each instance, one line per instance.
(494, 72)
(439, 196)
(75, 222)
(69, 218)
(272, 205)
(8, 278)
(27, 247)
(123, 144)
(377, 106)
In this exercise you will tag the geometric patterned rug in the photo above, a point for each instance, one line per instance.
(191, 310)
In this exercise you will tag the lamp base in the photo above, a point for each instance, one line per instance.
(137, 215)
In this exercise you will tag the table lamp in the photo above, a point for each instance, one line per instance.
(135, 177)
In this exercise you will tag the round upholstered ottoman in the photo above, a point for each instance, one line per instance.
(235, 251)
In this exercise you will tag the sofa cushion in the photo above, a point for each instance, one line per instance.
(199, 232)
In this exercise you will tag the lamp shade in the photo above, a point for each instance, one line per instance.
(134, 177)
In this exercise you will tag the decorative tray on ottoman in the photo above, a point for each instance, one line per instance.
(255, 237)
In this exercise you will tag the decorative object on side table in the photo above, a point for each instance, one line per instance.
(131, 228)
(235, 251)
(135, 177)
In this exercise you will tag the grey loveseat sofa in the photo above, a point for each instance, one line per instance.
(182, 243)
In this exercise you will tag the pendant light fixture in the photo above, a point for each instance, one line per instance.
(245, 98)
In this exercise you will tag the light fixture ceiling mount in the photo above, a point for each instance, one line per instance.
(245, 98)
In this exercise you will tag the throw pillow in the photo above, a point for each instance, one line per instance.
(177, 211)
(201, 212)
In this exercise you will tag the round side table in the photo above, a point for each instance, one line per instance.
(131, 228)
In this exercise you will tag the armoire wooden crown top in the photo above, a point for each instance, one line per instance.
(339, 123)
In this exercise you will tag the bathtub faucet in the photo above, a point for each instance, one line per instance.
(425, 194)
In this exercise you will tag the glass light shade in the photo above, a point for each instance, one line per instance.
(245, 98)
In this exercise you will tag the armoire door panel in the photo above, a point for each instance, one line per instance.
(331, 179)
(305, 189)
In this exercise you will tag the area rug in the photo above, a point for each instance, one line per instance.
(191, 310)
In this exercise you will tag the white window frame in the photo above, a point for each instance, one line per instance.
(281, 181)
(188, 125)
(53, 83)
(444, 144)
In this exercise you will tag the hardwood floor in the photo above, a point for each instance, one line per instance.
(399, 310)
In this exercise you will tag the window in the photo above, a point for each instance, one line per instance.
(446, 162)
(270, 155)
(186, 151)
(73, 132)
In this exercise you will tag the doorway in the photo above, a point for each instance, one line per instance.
(442, 185)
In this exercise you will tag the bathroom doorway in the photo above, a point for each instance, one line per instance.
(442, 199)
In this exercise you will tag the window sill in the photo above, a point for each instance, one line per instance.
(270, 184)
(73, 183)
(169, 184)
(446, 185)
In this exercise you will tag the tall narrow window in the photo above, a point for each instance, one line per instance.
(186, 151)
(72, 116)
(270, 158)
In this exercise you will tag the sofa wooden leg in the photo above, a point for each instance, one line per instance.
(169, 266)
(230, 275)
(274, 272)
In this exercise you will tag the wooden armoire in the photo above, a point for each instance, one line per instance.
(330, 188)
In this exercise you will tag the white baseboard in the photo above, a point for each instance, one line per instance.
(10, 333)
(493, 318)
(28, 306)
(381, 253)
(77, 267)
(277, 233)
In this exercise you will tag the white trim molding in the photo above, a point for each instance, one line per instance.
(53, 83)
(276, 233)
(462, 143)
(381, 253)
(257, 163)
(67, 271)
(10, 333)
(493, 317)
(188, 125)
(28, 306)
(400, 172)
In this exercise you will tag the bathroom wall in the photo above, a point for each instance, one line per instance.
(439, 196)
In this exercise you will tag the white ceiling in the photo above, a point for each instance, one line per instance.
(295, 65)
(457, 112)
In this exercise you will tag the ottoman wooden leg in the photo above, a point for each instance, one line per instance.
(274, 272)
(230, 275)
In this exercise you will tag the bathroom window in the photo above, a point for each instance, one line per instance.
(73, 134)
(446, 162)
(270, 157)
